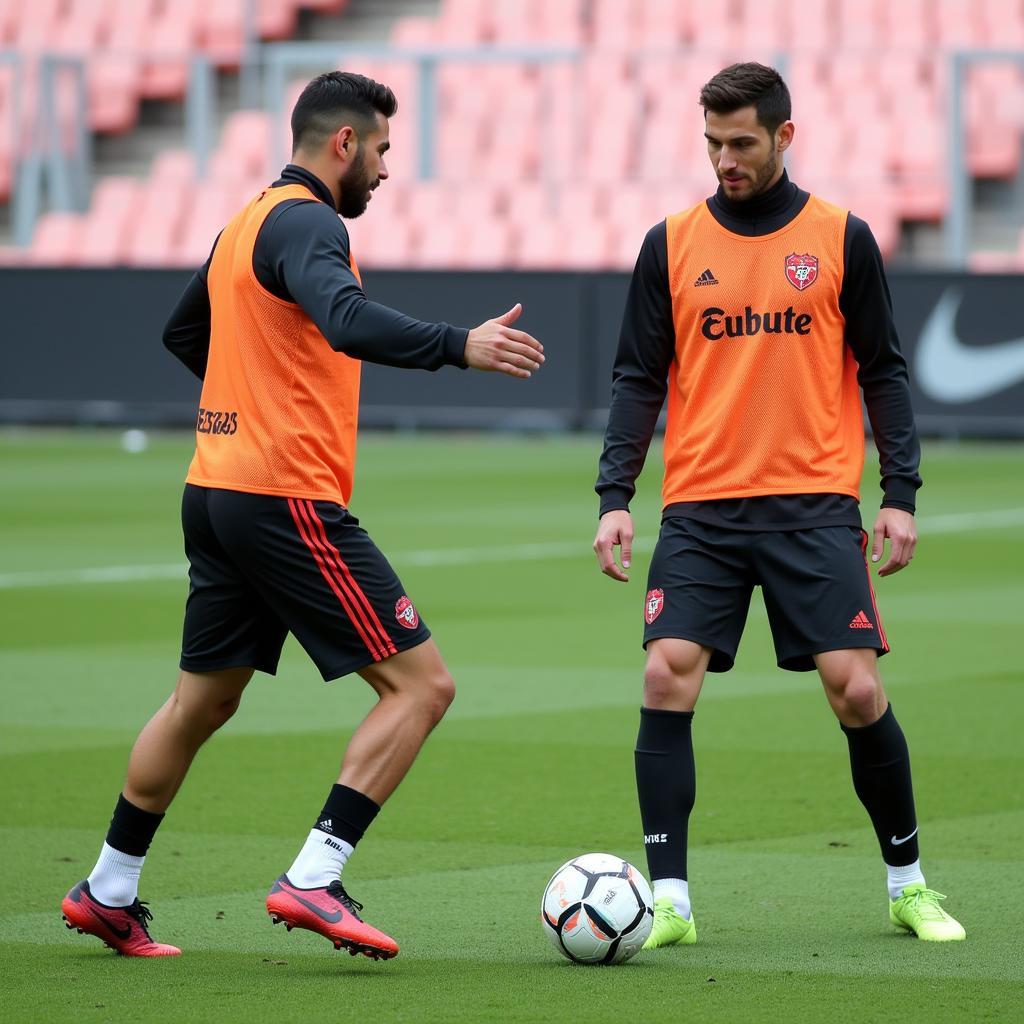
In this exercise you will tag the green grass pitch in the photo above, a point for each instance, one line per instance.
(533, 765)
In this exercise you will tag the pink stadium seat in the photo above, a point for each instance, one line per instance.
(221, 31)
(487, 245)
(210, 209)
(173, 165)
(56, 240)
(384, 246)
(909, 25)
(415, 31)
(155, 232)
(958, 25)
(1003, 21)
(35, 25)
(616, 25)
(539, 246)
(761, 23)
(174, 32)
(275, 19)
(861, 24)
(114, 211)
(113, 92)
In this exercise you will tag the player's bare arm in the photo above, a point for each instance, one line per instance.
(899, 528)
(615, 531)
(496, 346)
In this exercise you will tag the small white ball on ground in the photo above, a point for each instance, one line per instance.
(134, 441)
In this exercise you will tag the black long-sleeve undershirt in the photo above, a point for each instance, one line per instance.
(647, 348)
(301, 255)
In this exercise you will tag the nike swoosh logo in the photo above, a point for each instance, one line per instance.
(949, 371)
(330, 916)
(900, 842)
(121, 933)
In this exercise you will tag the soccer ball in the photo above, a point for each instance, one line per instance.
(597, 909)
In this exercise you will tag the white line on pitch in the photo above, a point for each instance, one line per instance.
(960, 522)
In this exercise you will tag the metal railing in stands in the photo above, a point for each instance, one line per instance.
(47, 171)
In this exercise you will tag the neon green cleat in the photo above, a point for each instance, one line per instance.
(670, 927)
(918, 911)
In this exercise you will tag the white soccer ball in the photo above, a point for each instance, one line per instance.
(597, 909)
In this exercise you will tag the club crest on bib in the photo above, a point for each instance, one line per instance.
(801, 270)
(655, 602)
(405, 612)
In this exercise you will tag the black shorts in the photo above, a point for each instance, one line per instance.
(262, 566)
(816, 585)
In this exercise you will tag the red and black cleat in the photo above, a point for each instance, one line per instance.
(123, 929)
(330, 912)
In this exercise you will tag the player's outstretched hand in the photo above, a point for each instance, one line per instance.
(496, 345)
(615, 530)
(901, 530)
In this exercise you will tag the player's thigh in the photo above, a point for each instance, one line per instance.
(698, 588)
(324, 577)
(228, 624)
(818, 594)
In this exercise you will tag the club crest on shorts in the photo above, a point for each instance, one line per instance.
(405, 612)
(801, 270)
(655, 602)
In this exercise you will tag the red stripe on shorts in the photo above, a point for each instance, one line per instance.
(372, 620)
(871, 591)
(326, 571)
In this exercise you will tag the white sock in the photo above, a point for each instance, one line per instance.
(115, 879)
(319, 861)
(677, 890)
(909, 874)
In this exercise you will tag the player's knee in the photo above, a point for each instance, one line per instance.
(862, 698)
(202, 717)
(669, 682)
(439, 694)
(221, 713)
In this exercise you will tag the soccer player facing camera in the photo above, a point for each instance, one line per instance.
(763, 312)
(275, 324)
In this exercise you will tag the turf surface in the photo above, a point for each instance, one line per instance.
(532, 765)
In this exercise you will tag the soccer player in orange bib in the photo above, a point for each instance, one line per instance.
(763, 312)
(276, 324)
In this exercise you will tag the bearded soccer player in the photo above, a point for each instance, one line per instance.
(763, 312)
(276, 324)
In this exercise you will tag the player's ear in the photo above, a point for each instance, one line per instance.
(345, 142)
(784, 135)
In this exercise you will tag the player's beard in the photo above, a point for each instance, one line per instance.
(761, 180)
(355, 188)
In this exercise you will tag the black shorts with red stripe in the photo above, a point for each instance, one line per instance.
(261, 567)
(815, 582)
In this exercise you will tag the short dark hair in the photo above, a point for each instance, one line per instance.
(333, 98)
(746, 85)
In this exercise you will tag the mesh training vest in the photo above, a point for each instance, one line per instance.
(279, 407)
(763, 395)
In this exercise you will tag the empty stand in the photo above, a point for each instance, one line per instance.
(565, 161)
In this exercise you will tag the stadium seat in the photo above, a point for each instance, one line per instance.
(57, 240)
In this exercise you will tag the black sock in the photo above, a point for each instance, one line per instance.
(880, 763)
(666, 784)
(347, 814)
(131, 828)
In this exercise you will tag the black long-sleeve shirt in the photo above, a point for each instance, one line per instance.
(301, 255)
(647, 347)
